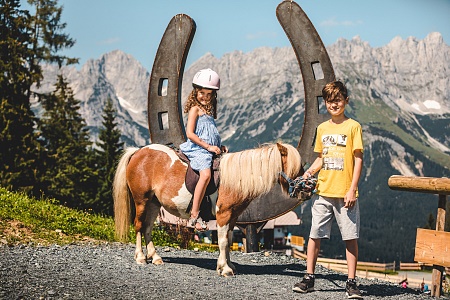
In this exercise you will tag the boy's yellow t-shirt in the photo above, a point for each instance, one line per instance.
(337, 143)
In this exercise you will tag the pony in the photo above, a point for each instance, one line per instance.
(154, 176)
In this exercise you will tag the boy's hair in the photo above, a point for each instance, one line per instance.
(332, 89)
(210, 109)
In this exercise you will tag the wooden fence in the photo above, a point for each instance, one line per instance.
(411, 266)
(371, 270)
(431, 246)
(341, 264)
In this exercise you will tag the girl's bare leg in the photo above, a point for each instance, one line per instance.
(199, 193)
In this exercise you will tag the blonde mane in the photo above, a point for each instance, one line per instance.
(254, 172)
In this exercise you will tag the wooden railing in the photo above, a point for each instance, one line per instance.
(411, 266)
(369, 269)
(341, 264)
(431, 246)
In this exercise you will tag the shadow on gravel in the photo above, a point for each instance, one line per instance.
(297, 271)
(386, 290)
(375, 289)
(210, 264)
(204, 263)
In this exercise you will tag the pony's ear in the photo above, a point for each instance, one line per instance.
(283, 150)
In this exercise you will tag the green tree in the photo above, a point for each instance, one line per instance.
(69, 174)
(18, 153)
(48, 37)
(107, 158)
(26, 41)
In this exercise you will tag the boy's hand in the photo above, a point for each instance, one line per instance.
(350, 199)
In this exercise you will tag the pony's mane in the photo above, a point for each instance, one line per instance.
(254, 172)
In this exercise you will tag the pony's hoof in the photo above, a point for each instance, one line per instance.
(158, 262)
(227, 272)
(140, 259)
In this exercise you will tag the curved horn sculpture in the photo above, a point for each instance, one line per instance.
(164, 94)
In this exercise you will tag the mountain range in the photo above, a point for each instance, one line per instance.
(400, 93)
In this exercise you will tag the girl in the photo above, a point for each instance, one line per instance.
(203, 137)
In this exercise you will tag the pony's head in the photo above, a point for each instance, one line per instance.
(291, 165)
(251, 173)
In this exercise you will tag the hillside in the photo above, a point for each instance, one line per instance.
(400, 93)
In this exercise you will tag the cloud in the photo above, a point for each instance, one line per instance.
(261, 35)
(109, 41)
(335, 23)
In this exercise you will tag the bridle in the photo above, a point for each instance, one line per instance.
(300, 185)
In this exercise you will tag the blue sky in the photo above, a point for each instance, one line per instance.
(136, 26)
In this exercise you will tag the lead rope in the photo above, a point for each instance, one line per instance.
(301, 184)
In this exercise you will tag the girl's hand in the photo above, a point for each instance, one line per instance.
(224, 149)
(214, 149)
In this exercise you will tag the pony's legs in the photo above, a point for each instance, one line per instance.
(222, 240)
(230, 240)
(141, 203)
(224, 265)
(152, 213)
(139, 255)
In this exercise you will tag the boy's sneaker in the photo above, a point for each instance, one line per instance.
(306, 285)
(352, 290)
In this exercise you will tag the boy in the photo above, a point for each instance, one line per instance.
(340, 158)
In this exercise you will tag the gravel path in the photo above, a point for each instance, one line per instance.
(109, 272)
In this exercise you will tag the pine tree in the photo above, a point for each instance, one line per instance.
(25, 42)
(107, 157)
(69, 176)
(19, 150)
(48, 38)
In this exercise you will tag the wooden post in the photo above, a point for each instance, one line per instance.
(251, 240)
(251, 235)
(440, 186)
(436, 279)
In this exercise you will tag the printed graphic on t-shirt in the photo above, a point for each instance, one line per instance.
(333, 152)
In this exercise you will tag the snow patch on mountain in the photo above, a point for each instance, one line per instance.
(432, 104)
(126, 105)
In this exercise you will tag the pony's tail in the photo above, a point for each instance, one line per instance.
(121, 196)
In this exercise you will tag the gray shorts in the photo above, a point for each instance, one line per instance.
(325, 209)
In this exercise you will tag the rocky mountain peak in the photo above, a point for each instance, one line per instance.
(410, 76)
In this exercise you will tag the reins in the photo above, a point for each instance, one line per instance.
(300, 184)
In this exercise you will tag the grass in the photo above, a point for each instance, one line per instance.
(27, 220)
(377, 114)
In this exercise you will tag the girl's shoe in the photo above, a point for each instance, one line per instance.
(198, 223)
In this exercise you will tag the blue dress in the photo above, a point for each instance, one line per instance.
(206, 129)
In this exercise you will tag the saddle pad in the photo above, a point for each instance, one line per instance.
(192, 176)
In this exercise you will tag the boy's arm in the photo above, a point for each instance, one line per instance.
(314, 168)
(350, 197)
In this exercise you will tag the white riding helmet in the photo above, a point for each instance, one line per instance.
(207, 79)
